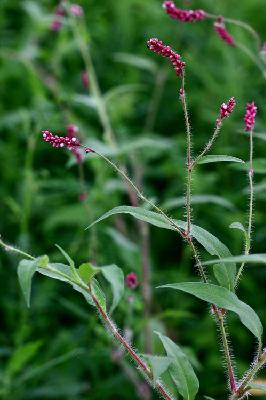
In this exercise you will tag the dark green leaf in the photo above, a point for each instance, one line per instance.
(222, 298)
(115, 277)
(220, 158)
(26, 270)
(181, 370)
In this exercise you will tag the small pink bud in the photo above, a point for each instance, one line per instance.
(131, 280)
(263, 47)
(76, 10)
(249, 119)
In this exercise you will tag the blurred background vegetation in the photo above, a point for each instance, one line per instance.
(58, 348)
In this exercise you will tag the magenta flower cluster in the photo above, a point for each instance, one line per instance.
(158, 47)
(60, 141)
(249, 119)
(227, 108)
(183, 15)
(220, 29)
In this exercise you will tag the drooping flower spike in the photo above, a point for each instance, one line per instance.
(183, 15)
(158, 47)
(249, 119)
(220, 29)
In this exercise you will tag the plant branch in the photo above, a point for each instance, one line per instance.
(107, 321)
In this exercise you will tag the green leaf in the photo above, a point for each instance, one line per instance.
(181, 370)
(67, 257)
(226, 272)
(43, 261)
(61, 272)
(249, 258)
(222, 298)
(220, 158)
(26, 270)
(115, 277)
(87, 271)
(208, 398)
(159, 365)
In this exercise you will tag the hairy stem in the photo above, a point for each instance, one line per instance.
(208, 145)
(189, 169)
(250, 209)
(230, 370)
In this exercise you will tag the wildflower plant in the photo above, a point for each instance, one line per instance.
(216, 281)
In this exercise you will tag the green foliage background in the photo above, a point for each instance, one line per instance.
(58, 349)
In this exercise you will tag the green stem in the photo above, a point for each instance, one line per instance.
(208, 145)
(251, 205)
(139, 193)
(189, 169)
(230, 370)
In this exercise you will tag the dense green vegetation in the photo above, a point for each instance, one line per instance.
(58, 349)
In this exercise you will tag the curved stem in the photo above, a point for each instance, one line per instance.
(241, 24)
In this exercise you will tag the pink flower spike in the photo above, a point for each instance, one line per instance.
(263, 47)
(227, 108)
(249, 119)
(131, 280)
(183, 15)
(220, 29)
(76, 10)
(158, 47)
(60, 141)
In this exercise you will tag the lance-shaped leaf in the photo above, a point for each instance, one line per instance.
(220, 158)
(115, 277)
(226, 272)
(87, 271)
(181, 370)
(222, 298)
(248, 258)
(26, 270)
